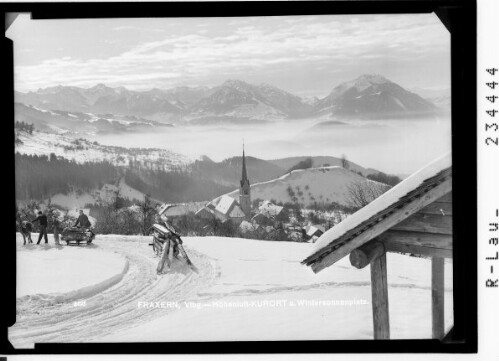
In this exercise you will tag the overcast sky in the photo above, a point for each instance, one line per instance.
(306, 55)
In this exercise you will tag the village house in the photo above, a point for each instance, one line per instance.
(312, 232)
(226, 208)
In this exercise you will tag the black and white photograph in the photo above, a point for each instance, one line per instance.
(258, 178)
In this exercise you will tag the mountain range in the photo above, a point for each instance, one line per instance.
(368, 96)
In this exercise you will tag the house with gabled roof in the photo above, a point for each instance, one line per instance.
(413, 218)
(226, 207)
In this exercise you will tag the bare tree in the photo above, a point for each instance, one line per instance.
(344, 162)
(147, 211)
(362, 193)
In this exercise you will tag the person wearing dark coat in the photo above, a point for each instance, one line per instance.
(42, 218)
(83, 221)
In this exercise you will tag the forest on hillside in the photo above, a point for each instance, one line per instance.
(175, 186)
(41, 176)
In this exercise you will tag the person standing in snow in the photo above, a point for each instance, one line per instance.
(57, 228)
(24, 228)
(42, 218)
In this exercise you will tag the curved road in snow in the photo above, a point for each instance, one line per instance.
(115, 308)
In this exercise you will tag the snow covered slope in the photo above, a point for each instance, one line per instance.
(82, 150)
(77, 200)
(245, 290)
(78, 271)
(263, 293)
(324, 184)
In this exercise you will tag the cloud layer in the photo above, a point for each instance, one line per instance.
(307, 55)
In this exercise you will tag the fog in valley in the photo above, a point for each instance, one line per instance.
(397, 146)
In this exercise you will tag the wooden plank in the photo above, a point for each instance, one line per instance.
(379, 292)
(422, 251)
(364, 255)
(437, 297)
(164, 257)
(384, 224)
(427, 223)
(440, 208)
(422, 239)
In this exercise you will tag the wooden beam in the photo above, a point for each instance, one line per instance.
(437, 297)
(364, 255)
(422, 239)
(422, 251)
(379, 292)
(440, 208)
(428, 223)
(389, 221)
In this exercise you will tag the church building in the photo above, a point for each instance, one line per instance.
(227, 208)
(245, 191)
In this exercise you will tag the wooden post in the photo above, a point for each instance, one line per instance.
(364, 255)
(164, 257)
(379, 291)
(437, 297)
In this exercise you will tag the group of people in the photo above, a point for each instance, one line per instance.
(25, 226)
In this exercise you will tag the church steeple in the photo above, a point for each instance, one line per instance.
(244, 177)
(245, 190)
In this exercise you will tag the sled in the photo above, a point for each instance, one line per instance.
(77, 236)
(164, 239)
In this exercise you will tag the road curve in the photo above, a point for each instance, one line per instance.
(117, 307)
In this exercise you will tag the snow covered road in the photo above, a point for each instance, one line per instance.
(62, 318)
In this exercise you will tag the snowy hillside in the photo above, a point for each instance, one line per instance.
(320, 161)
(81, 150)
(77, 200)
(61, 121)
(324, 184)
(244, 290)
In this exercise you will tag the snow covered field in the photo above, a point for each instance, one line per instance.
(322, 184)
(65, 269)
(245, 290)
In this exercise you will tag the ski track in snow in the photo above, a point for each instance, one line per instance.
(39, 319)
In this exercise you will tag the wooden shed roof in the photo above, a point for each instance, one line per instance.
(406, 198)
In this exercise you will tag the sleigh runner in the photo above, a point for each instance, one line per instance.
(168, 244)
(77, 235)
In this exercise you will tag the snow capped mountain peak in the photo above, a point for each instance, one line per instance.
(362, 82)
(121, 89)
(99, 86)
(236, 84)
(372, 96)
(310, 100)
(373, 78)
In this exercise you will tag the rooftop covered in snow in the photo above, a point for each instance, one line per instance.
(406, 198)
